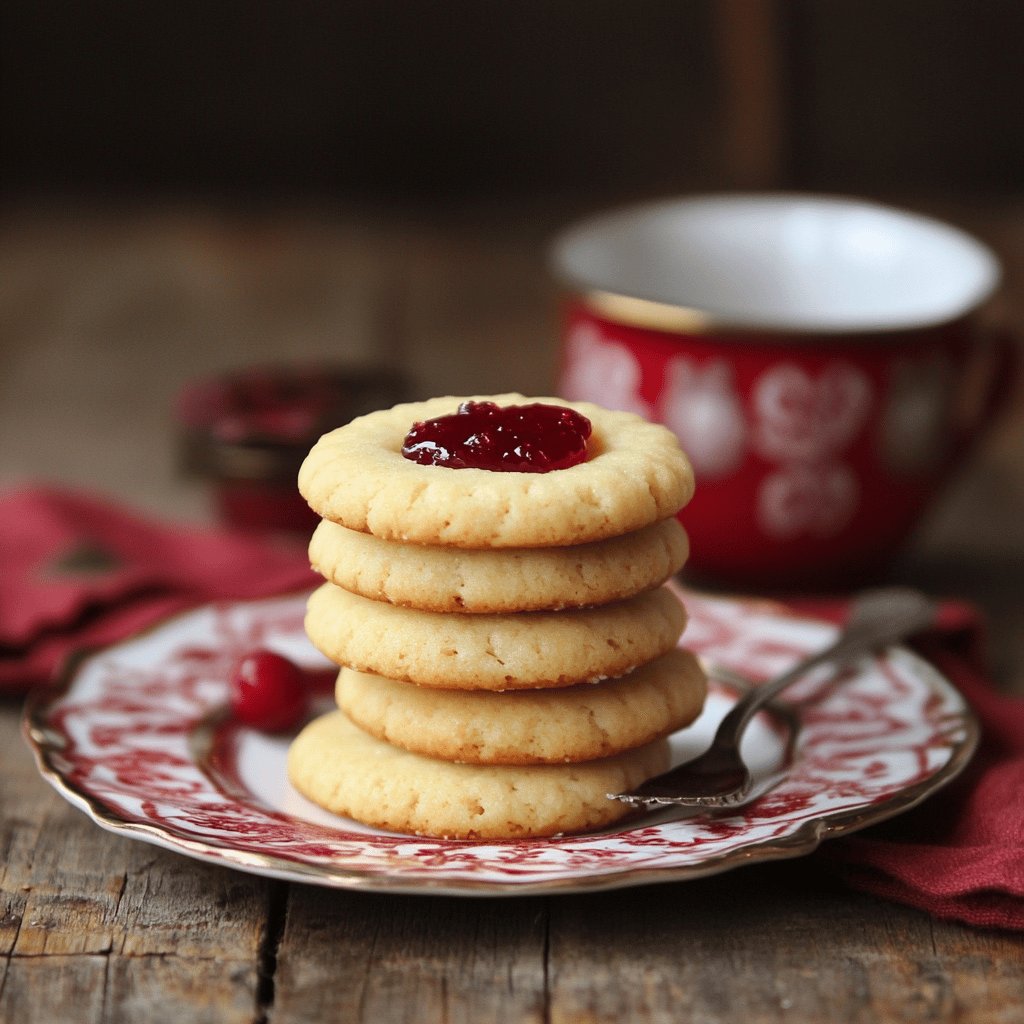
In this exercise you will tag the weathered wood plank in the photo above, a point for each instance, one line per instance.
(171, 989)
(768, 943)
(54, 988)
(20, 795)
(983, 972)
(154, 926)
(126, 990)
(405, 960)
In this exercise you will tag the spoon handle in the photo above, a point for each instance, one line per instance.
(877, 618)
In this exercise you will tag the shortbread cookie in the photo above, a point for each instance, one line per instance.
(507, 580)
(348, 772)
(356, 475)
(493, 652)
(576, 723)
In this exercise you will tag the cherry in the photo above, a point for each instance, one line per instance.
(269, 692)
(533, 438)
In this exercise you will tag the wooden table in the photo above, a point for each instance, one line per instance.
(105, 314)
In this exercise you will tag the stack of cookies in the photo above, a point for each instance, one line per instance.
(508, 652)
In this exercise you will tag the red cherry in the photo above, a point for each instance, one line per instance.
(269, 692)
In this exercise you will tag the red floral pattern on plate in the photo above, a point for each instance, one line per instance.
(138, 740)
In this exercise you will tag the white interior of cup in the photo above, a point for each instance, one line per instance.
(791, 262)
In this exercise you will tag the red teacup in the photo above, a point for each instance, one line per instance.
(820, 359)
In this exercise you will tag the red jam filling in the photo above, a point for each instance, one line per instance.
(534, 438)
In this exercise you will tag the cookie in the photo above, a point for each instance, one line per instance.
(505, 580)
(576, 723)
(493, 652)
(348, 772)
(356, 475)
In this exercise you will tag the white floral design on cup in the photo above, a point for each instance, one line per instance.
(805, 424)
(801, 418)
(599, 369)
(817, 500)
(700, 405)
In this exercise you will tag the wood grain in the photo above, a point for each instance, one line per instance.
(403, 959)
(766, 943)
(96, 927)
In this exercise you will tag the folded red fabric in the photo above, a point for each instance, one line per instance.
(77, 571)
(960, 854)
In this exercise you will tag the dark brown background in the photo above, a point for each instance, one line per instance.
(398, 99)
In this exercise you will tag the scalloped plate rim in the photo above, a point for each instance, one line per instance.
(806, 838)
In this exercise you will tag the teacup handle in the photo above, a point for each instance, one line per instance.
(1007, 363)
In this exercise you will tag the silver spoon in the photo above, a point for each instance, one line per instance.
(718, 777)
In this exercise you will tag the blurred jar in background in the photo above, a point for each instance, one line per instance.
(247, 432)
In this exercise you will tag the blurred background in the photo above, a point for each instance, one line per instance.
(194, 187)
(400, 101)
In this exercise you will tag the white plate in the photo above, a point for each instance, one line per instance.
(137, 739)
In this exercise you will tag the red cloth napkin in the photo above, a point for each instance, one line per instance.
(960, 854)
(77, 571)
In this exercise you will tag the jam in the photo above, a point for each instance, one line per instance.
(534, 438)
